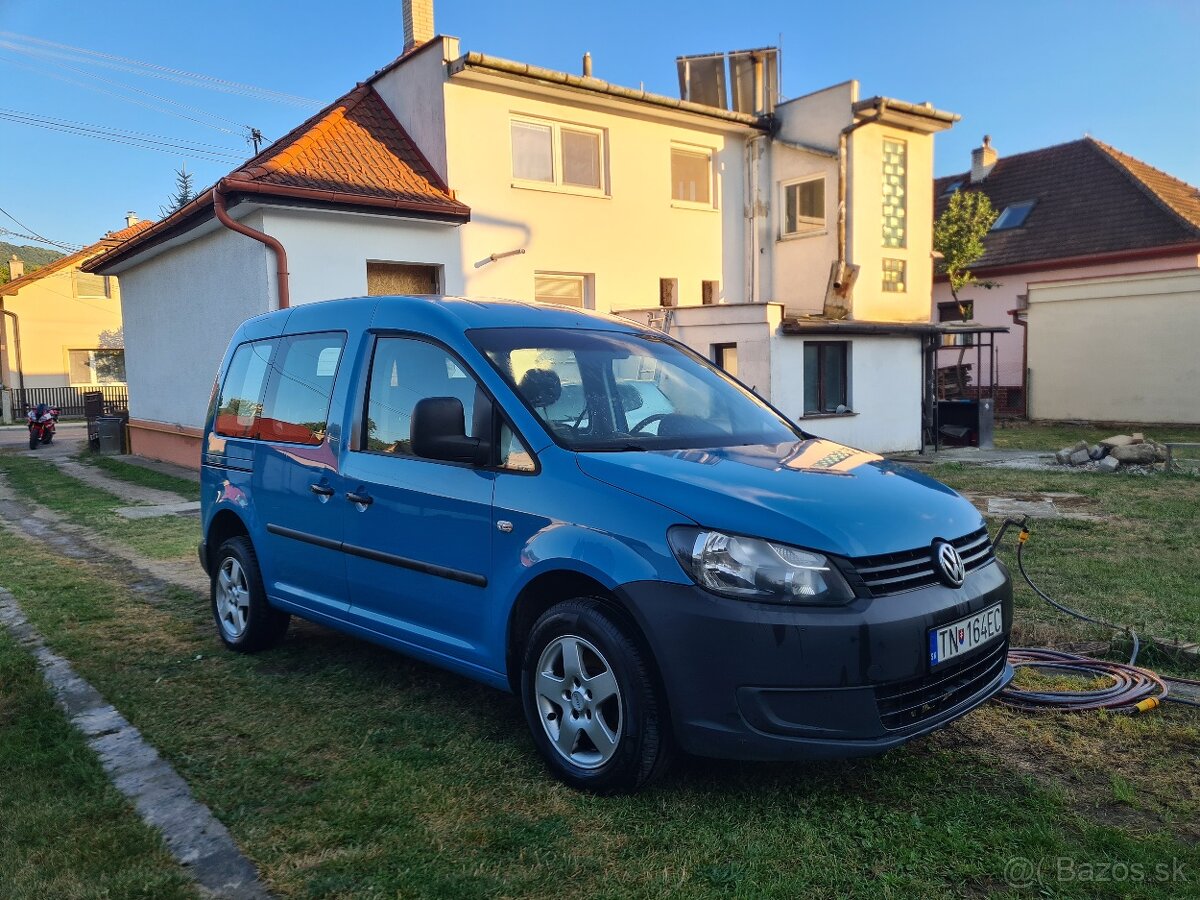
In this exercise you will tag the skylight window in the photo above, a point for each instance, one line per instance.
(1014, 216)
(952, 187)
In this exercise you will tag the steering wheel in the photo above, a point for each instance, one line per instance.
(649, 420)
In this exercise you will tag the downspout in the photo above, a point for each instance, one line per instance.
(17, 346)
(839, 276)
(281, 267)
(1017, 320)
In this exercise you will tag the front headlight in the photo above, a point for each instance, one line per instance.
(754, 569)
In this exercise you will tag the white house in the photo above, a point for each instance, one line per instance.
(461, 173)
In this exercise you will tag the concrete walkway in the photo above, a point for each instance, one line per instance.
(973, 456)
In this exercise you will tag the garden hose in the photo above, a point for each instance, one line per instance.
(1131, 689)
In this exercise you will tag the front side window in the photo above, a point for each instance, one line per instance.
(691, 175)
(555, 153)
(612, 391)
(804, 205)
(825, 377)
(96, 366)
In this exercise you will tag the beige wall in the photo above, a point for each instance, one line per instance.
(1120, 348)
(53, 321)
(864, 224)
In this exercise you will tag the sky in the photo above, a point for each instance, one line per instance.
(1030, 74)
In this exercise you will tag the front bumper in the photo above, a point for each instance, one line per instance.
(765, 681)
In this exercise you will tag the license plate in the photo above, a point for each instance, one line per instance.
(963, 636)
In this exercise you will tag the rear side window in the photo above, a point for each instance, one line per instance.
(295, 407)
(240, 403)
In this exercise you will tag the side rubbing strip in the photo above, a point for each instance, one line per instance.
(391, 559)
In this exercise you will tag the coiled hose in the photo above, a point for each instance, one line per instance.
(1131, 689)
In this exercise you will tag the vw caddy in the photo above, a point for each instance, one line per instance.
(591, 515)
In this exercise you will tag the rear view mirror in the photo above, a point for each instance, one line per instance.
(439, 432)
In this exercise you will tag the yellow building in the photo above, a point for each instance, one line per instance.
(61, 325)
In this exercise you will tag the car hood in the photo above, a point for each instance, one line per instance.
(813, 493)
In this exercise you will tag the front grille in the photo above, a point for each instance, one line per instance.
(891, 573)
(904, 704)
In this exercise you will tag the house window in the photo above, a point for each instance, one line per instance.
(1013, 215)
(562, 289)
(92, 287)
(557, 154)
(895, 188)
(96, 366)
(668, 292)
(387, 278)
(691, 176)
(804, 205)
(710, 292)
(952, 187)
(825, 377)
(962, 311)
(725, 356)
(894, 280)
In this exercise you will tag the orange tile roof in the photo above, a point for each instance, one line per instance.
(354, 152)
(109, 242)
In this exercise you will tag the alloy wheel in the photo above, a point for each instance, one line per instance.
(579, 701)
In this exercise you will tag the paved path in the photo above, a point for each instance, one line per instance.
(972, 456)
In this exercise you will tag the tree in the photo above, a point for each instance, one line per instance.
(184, 192)
(958, 236)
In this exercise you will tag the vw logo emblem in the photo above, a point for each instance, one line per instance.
(954, 571)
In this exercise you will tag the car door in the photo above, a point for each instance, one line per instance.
(418, 532)
(296, 488)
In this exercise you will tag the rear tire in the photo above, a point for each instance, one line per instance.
(592, 702)
(245, 620)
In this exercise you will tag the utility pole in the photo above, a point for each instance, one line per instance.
(255, 137)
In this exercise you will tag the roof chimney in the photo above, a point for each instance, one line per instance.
(982, 159)
(587, 65)
(131, 219)
(418, 23)
(16, 268)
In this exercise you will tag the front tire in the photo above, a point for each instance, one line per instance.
(33, 440)
(245, 621)
(591, 700)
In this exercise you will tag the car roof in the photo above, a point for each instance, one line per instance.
(446, 312)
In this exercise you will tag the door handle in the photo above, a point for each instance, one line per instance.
(321, 490)
(361, 499)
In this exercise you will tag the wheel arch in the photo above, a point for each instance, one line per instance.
(225, 524)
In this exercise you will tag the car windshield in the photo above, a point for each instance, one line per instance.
(614, 391)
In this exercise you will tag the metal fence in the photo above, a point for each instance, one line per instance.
(70, 400)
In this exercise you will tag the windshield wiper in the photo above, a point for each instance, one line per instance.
(612, 448)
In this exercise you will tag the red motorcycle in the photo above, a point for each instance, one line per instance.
(42, 420)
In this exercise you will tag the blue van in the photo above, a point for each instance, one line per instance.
(587, 513)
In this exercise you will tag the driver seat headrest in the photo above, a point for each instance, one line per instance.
(540, 387)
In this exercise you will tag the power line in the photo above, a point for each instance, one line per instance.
(210, 152)
(30, 237)
(37, 46)
(71, 247)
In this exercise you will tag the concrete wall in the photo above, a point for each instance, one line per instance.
(992, 306)
(53, 322)
(1116, 348)
(180, 310)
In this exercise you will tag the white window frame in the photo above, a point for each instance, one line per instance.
(584, 279)
(713, 183)
(91, 365)
(807, 225)
(557, 184)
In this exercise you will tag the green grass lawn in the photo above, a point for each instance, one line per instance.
(41, 481)
(186, 488)
(344, 770)
(64, 830)
(1027, 436)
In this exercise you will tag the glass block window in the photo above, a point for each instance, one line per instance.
(895, 190)
(894, 276)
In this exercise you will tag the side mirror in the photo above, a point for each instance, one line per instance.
(439, 432)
